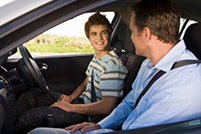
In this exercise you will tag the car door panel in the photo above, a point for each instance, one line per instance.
(65, 73)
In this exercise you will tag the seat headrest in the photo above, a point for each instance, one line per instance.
(192, 39)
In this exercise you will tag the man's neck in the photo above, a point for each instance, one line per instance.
(159, 51)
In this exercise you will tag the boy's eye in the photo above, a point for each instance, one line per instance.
(93, 34)
(105, 32)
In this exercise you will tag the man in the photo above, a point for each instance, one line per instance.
(105, 77)
(175, 96)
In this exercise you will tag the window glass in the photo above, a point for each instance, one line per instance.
(64, 39)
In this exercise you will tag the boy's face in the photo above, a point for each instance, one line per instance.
(99, 38)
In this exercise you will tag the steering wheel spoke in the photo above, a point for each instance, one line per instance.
(34, 69)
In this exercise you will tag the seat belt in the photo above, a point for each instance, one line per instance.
(160, 73)
(94, 118)
(93, 93)
(185, 62)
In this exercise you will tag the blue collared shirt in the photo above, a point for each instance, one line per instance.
(174, 97)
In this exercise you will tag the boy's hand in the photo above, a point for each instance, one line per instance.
(62, 104)
(65, 98)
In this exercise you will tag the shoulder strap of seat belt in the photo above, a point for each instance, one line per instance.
(185, 62)
(160, 73)
(93, 93)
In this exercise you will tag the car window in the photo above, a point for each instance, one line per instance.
(64, 39)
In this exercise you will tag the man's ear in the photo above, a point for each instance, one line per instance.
(147, 34)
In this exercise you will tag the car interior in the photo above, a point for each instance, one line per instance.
(64, 73)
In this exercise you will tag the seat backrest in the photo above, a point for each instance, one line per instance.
(132, 63)
(192, 39)
(127, 43)
(130, 60)
(122, 41)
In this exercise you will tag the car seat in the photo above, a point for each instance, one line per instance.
(193, 40)
(126, 50)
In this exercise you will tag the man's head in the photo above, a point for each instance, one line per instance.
(154, 25)
(160, 16)
(98, 31)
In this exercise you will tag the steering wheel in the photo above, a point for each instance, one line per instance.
(34, 69)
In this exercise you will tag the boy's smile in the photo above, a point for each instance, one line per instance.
(99, 38)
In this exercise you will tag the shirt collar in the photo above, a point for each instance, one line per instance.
(105, 57)
(170, 58)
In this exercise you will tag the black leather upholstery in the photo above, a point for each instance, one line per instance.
(132, 63)
(192, 38)
(130, 60)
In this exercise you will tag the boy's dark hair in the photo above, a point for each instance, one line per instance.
(160, 16)
(97, 19)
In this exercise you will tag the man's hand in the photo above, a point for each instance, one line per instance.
(83, 127)
(65, 98)
(62, 104)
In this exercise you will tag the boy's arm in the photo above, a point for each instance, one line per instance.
(105, 106)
